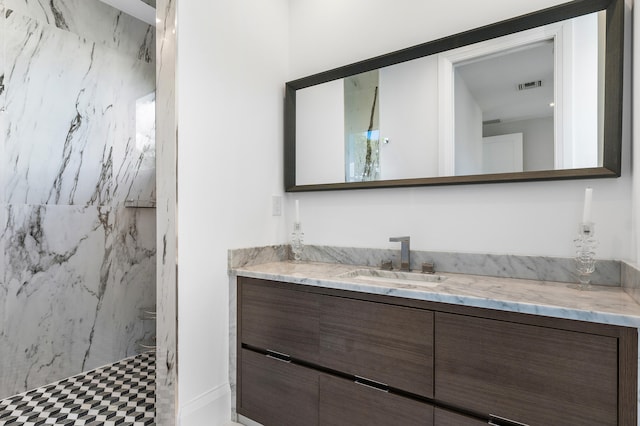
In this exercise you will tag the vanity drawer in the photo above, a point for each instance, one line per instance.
(385, 343)
(279, 319)
(277, 393)
(346, 403)
(531, 374)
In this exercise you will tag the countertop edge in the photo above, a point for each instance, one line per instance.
(619, 319)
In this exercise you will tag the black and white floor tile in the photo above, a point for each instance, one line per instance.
(122, 393)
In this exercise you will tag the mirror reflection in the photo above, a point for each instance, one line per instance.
(529, 101)
(362, 127)
(501, 101)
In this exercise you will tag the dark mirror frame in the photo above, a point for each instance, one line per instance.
(614, 57)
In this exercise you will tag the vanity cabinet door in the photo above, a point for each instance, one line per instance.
(279, 319)
(346, 403)
(277, 393)
(444, 417)
(380, 342)
(530, 374)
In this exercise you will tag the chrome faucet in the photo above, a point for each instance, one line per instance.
(405, 261)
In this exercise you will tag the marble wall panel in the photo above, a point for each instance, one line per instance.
(510, 266)
(94, 21)
(52, 102)
(56, 271)
(166, 161)
(75, 265)
(631, 281)
(3, 129)
(118, 327)
(4, 288)
(3, 117)
(2, 56)
(80, 102)
(239, 258)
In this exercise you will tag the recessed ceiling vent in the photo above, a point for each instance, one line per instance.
(530, 85)
(494, 121)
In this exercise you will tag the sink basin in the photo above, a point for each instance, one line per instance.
(395, 277)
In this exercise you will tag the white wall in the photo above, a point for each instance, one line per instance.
(232, 65)
(537, 140)
(343, 32)
(520, 218)
(635, 247)
(468, 130)
(320, 125)
(580, 62)
(409, 118)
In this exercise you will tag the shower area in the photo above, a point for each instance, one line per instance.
(77, 189)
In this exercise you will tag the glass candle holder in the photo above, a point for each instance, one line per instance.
(297, 241)
(585, 253)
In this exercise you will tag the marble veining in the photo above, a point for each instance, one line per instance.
(166, 161)
(92, 20)
(88, 92)
(509, 266)
(239, 258)
(602, 304)
(76, 265)
(74, 279)
(131, 286)
(631, 280)
(50, 259)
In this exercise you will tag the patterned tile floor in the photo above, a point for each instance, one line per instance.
(117, 394)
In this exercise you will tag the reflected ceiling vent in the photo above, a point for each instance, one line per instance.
(494, 121)
(530, 85)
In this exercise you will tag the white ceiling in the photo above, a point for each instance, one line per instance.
(136, 8)
(493, 82)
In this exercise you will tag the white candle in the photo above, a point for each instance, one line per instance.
(586, 212)
(297, 211)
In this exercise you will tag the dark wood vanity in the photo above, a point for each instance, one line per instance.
(317, 356)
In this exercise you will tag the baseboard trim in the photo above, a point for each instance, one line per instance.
(210, 407)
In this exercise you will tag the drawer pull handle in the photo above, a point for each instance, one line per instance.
(501, 421)
(278, 356)
(371, 384)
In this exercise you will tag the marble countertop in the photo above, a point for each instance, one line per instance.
(600, 304)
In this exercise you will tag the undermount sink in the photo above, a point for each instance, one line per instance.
(395, 277)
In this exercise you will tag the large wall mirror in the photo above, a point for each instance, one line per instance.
(537, 97)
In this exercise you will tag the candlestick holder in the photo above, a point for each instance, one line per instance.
(297, 238)
(585, 253)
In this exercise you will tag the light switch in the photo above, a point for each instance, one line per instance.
(276, 205)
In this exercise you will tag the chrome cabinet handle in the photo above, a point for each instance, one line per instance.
(278, 356)
(383, 387)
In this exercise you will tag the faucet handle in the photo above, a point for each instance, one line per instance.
(428, 268)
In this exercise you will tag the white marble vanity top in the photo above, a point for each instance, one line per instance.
(600, 304)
